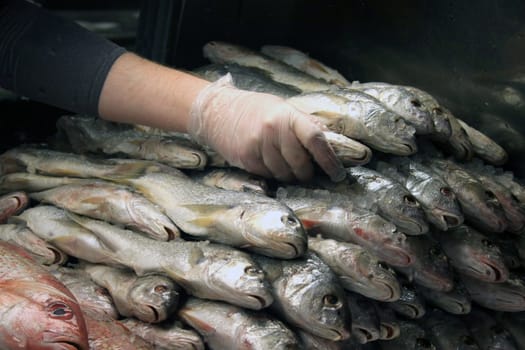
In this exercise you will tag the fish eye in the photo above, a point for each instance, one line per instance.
(487, 243)
(382, 265)
(330, 300)
(423, 343)
(437, 111)
(252, 271)
(160, 289)
(490, 194)
(101, 291)
(435, 250)
(289, 221)
(416, 103)
(410, 200)
(242, 214)
(446, 191)
(468, 340)
(60, 310)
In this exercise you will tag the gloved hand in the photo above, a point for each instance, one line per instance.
(261, 133)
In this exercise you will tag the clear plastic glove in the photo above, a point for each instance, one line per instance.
(261, 133)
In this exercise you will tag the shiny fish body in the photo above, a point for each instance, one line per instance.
(360, 116)
(87, 134)
(37, 310)
(448, 332)
(483, 146)
(113, 203)
(479, 205)
(203, 269)
(437, 199)
(89, 294)
(508, 296)
(222, 52)
(169, 335)
(431, 268)
(401, 101)
(456, 301)
(343, 221)
(41, 251)
(245, 220)
(307, 295)
(410, 304)
(304, 63)
(225, 326)
(150, 298)
(358, 270)
(247, 78)
(28, 182)
(472, 253)
(394, 201)
(11, 204)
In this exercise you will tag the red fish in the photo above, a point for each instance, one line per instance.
(37, 311)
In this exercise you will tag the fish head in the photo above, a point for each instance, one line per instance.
(42, 317)
(387, 242)
(235, 277)
(416, 113)
(314, 300)
(154, 297)
(482, 204)
(390, 132)
(151, 219)
(12, 203)
(460, 142)
(402, 208)
(433, 265)
(380, 278)
(441, 121)
(222, 52)
(269, 228)
(486, 260)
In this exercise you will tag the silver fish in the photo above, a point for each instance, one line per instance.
(225, 326)
(365, 321)
(413, 337)
(305, 63)
(507, 296)
(410, 304)
(222, 52)
(88, 134)
(459, 143)
(448, 332)
(358, 270)
(479, 205)
(486, 330)
(402, 101)
(456, 301)
(150, 298)
(43, 252)
(334, 216)
(472, 253)
(307, 295)
(359, 116)
(437, 199)
(483, 146)
(113, 203)
(431, 268)
(169, 335)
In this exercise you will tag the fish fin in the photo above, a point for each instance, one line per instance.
(206, 213)
(309, 224)
(200, 324)
(328, 115)
(17, 220)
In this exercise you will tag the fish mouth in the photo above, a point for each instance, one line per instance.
(391, 293)
(451, 221)
(335, 335)
(58, 256)
(406, 149)
(258, 302)
(171, 234)
(414, 311)
(396, 256)
(282, 250)
(153, 316)
(439, 283)
(388, 331)
(495, 273)
(363, 335)
(460, 308)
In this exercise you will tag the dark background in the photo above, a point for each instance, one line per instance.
(470, 55)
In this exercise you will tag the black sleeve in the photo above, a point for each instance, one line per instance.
(53, 60)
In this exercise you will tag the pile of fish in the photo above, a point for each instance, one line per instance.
(126, 237)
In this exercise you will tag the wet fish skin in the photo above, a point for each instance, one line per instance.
(448, 332)
(307, 295)
(89, 294)
(365, 321)
(483, 146)
(334, 216)
(11, 204)
(203, 269)
(402, 101)
(431, 267)
(28, 182)
(508, 296)
(480, 206)
(167, 335)
(112, 203)
(413, 337)
(305, 63)
(473, 254)
(410, 304)
(225, 326)
(394, 201)
(488, 333)
(88, 134)
(358, 270)
(456, 301)
(437, 199)
(37, 310)
(150, 298)
(40, 250)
